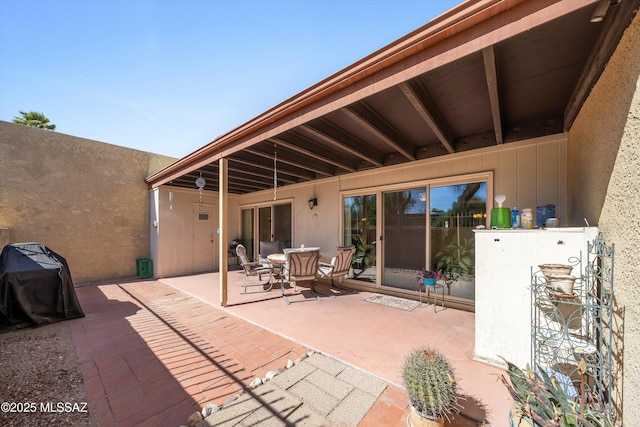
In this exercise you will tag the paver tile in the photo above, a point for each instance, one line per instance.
(362, 380)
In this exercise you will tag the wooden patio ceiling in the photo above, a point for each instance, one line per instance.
(486, 73)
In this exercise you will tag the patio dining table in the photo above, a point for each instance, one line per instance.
(281, 260)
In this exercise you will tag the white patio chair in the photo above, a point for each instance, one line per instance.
(339, 266)
(254, 269)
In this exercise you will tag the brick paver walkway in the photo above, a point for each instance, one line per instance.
(150, 355)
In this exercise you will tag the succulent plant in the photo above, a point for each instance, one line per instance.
(431, 384)
(541, 400)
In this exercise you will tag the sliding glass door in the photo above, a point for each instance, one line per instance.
(404, 236)
(428, 226)
(272, 222)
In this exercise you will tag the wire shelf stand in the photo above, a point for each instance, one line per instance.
(572, 333)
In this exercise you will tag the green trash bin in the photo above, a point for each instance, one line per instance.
(144, 267)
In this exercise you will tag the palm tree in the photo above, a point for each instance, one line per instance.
(34, 119)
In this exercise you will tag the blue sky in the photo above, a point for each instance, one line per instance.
(169, 76)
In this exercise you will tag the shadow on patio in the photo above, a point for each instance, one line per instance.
(149, 354)
(371, 337)
(167, 348)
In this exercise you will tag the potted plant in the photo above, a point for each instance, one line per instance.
(429, 278)
(539, 399)
(432, 387)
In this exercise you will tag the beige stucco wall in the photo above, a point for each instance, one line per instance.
(604, 148)
(174, 240)
(85, 200)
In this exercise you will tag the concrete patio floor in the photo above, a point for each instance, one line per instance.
(153, 352)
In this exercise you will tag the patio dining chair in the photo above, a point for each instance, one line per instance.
(254, 268)
(268, 248)
(339, 266)
(302, 265)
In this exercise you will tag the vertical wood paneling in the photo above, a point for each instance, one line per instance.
(445, 168)
(526, 176)
(432, 171)
(547, 173)
(491, 162)
(474, 164)
(508, 183)
(459, 166)
(562, 203)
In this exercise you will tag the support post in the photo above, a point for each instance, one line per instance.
(223, 165)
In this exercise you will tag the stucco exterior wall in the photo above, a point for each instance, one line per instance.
(85, 200)
(175, 241)
(604, 148)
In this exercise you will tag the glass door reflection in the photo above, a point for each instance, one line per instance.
(455, 211)
(360, 230)
(404, 237)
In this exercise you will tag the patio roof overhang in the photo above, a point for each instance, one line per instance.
(487, 72)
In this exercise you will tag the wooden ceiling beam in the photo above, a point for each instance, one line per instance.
(306, 147)
(373, 122)
(259, 174)
(491, 73)
(341, 140)
(280, 170)
(288, 160)
(417, 95)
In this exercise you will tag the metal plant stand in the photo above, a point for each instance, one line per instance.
(571, 333)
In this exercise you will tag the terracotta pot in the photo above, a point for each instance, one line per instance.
(561, 283)
(416, 420)
(548, 269)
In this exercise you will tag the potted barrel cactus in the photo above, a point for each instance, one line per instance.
(432, 387)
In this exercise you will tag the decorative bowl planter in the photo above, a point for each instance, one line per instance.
(561, 283)
(555, 269)
(428, 281)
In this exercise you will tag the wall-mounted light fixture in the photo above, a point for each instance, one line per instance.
(170, 200)
(313, 202)
(601, 11)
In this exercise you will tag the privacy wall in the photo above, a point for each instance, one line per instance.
(86, 200)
